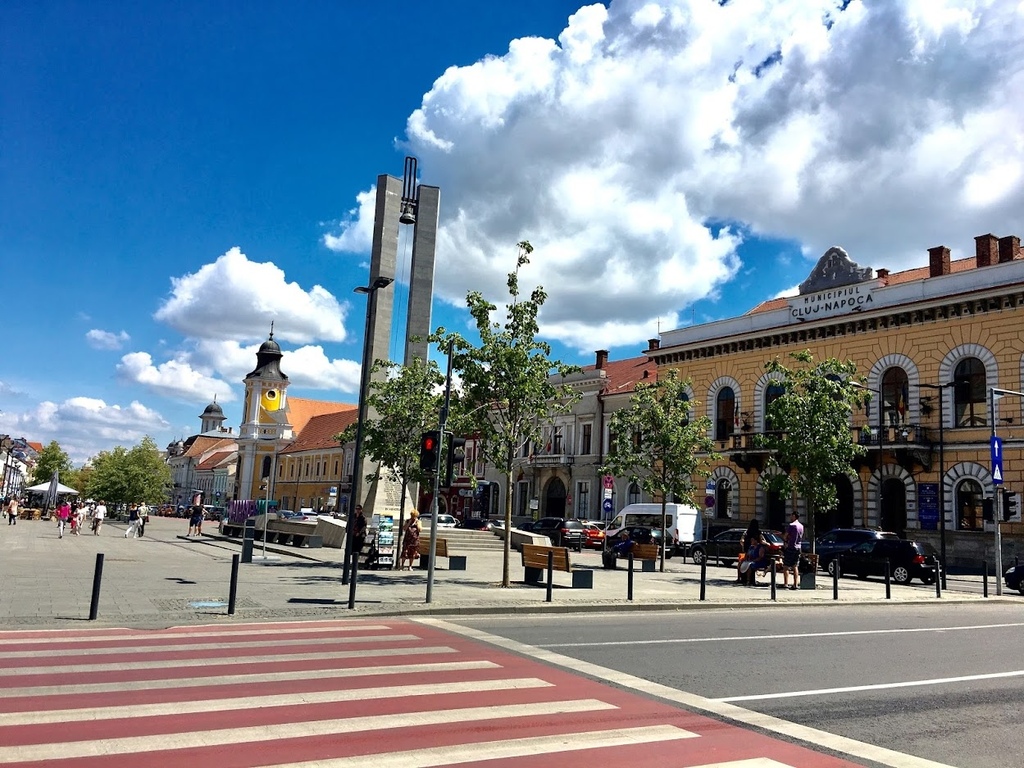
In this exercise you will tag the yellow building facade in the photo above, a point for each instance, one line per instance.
(931, 342)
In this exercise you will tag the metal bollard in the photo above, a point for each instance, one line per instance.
(938, 578)
(835, 580)
(234, 584)
(773, 581)
(703, 577)
(888, 580)
(629, 578)
(984, 578)
(97, 578)
(551, 575)
(354, 570)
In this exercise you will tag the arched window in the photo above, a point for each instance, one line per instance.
(969, 393)
(895, 394)
(634, 494)
(723, 499)
(725, 413)
(968, 506)
(772, 393)
(684, 402)
(266, 467)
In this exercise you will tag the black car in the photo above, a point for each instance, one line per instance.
(1014, 577)
(908, 560)
(725, 547)
(842, 539)
(562, 531)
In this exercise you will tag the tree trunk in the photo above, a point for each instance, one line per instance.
(507, 549)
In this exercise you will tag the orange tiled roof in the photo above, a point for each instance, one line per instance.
(893, 278)
(301, 410)
(624, 375)
(319, 432)
(37, 447)
(215, 460)
(201, 445)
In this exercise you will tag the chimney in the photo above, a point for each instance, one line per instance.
(653, 344)
(1009, 248)
(938, 261)
(881, 274)
(646, 373)
(986, 249)
(602, 359)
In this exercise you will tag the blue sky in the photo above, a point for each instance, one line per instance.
(174, 176)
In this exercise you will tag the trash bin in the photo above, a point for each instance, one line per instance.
(808, 573)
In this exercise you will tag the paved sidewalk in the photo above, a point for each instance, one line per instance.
(165, 579)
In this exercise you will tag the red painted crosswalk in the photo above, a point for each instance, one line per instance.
(344, 693)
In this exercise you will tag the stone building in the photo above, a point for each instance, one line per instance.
(930, 341)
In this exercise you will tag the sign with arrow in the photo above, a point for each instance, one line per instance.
(997, 461)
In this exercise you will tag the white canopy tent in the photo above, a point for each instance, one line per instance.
(44, 487)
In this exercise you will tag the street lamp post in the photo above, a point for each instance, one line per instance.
(348, 572)
(993, 393)
(942, 474)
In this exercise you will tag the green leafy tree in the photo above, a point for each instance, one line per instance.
(405, 403)
(656, 444)
(509, 383)
(123, 476)
(811, 440)
(51, 458)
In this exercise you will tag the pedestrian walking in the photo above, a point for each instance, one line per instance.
(195, 521)
(358, 531)
(132, 531)
(79, 513)
(63, 513)
(143, 519)
(410, 540)
(12, 510)
(98, 515)
(791, 550)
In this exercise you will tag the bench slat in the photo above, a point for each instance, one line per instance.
(440, 550)
(536, 556)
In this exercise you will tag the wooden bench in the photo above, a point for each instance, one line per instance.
(647, 554)
(535, 565)
(455, 562)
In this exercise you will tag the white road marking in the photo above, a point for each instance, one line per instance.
(118, 666)
(512, 748)
(213, 631)
(875, 687)
(130, 745)
(61, 689)
(794, 636)
(722, 709)
(277, 700)
(137, 651)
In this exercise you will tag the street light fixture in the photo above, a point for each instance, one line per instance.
(942, 473)
(348, 572)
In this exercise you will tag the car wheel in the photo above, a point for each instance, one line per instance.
(727, 563)
(928, 579)
(832, 567)
(1020, 587)
(698, 556)
(901, 574)
(861, 575)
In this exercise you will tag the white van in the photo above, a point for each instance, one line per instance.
(683, 523)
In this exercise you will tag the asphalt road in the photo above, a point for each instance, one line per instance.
(940, 684)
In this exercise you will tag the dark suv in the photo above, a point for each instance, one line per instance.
(562, 532)
(908, 560)
(839, 540)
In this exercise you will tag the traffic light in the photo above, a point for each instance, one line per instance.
(456, 455)
(430, 447)
(1011, 507)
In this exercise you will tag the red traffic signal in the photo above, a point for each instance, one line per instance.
(430, 444)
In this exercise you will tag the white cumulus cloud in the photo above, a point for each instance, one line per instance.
(175, 378)
(98, 339)
(231, 297)
(639, 148)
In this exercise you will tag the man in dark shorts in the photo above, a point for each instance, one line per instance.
(791, 551)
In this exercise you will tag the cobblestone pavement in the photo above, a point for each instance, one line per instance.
(164, 579)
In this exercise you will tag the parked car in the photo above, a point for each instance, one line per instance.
(908, 560)
(443, 521)
(300, 517)
(1014, 577)
(562, 532)
(641, 534)
(725, 547)
(593, 536)
(476, 524)
(529, 526)
(841, 539)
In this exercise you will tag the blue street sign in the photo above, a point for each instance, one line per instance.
(997, 461)
(607, 506)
